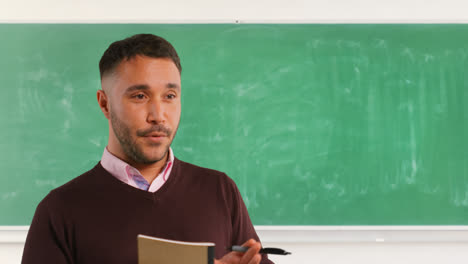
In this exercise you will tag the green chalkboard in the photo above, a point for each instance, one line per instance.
(317, 124)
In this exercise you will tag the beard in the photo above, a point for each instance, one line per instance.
(129, 143)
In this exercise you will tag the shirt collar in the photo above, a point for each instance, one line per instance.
(129, 174)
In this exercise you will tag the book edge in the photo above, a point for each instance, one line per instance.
(200, 244)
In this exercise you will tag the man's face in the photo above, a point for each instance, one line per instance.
(144, 108)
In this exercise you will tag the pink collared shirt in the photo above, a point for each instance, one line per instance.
(131, 176)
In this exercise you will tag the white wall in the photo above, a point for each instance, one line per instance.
(243, 10)
(309, 244)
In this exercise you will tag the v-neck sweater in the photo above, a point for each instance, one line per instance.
(95, 218)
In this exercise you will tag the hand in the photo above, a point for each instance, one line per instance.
(250, 257)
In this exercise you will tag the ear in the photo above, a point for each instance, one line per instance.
(103, 102)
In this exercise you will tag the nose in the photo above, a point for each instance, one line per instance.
(155, 112)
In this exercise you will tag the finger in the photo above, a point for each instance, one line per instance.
(254, 249)
(230, 258)
(256, 259)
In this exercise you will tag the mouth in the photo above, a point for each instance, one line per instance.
(156, 134)
(155, 137)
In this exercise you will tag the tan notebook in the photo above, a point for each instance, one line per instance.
(153, 250)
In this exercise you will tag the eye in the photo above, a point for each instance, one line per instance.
(139, 96)
(171, 96)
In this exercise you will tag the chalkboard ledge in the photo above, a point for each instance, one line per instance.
(360, 234)
(319, 234)
(13, 234)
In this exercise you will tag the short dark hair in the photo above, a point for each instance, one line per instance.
(140, 44)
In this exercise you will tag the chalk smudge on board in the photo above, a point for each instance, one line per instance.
(443, 93)
(37, 76)
(41, 183)
(66, 104)
(95, 141)
(187, 149)
(408, 53)
(9, 195)
(414, 166)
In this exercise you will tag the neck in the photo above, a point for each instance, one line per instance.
(148, 171)
(151, 171)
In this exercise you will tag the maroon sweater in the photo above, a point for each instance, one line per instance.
(95, 218)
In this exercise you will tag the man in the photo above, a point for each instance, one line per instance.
(139, 187)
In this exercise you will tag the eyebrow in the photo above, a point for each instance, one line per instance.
(144, 87)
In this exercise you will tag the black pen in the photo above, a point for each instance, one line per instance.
(274, 251)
